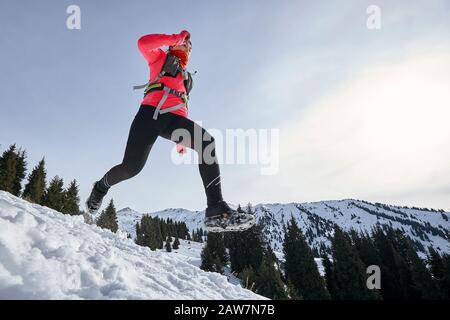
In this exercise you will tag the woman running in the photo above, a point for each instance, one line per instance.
(163, 113)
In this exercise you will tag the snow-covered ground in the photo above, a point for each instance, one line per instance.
(190, 252)
(47, 255)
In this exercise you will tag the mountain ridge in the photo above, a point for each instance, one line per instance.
(426, 226)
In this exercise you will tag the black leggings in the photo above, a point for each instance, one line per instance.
(143, 133)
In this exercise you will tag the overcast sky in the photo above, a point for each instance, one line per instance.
(361, 113)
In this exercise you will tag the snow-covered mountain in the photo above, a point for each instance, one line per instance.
(427, 227)
(47, 255)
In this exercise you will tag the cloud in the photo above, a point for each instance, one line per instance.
(383, 132)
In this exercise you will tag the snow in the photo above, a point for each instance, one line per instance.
(189, 251)
(47, 255)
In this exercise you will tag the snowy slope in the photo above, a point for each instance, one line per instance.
(426, 227)
(47, 255)
(190, 252)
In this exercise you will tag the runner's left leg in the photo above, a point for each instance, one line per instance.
(189, 134)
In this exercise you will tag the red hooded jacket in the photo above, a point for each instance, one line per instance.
(150, 47)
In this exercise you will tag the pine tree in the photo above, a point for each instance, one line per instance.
(168, 246)
(102, 220)
(216, 244)
(268, 281)
(210, 262)
(366, 248)
(165, 227)
(214, 253)
(21, 167)
(145, 233)
(140, 232)
(35, 188)
(176, 243)
(439, 272)
(300, 267)
(402, 245)
(395, 282)
(139, 235)
(446, 270)
(330, 277)
(249, 208)
(8, 169)
(421, 276)
(54, 195)
(349, 269)
(159, 237)
(71, 200)
(12, 170)
(246, 248)
(436, 264)
(405, 275)
(108, 218)
(197, 235)
(148, 233)
(292, 292)
(255, 262)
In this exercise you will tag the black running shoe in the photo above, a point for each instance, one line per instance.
(94, 201)
(221, 218)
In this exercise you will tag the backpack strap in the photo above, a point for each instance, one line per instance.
(167, 91)
(150, 86)
(142, 86)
